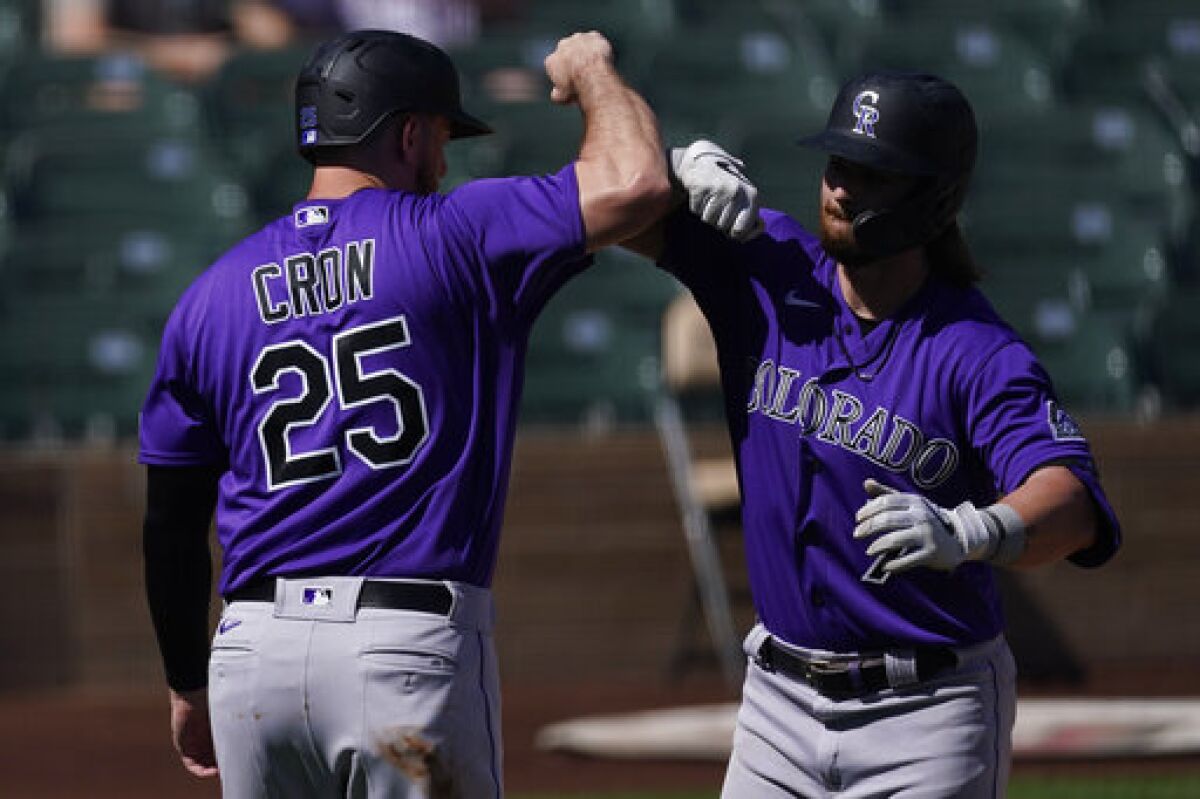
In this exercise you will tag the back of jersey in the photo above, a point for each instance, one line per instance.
(357, 366)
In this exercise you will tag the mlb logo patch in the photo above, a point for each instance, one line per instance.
(308, 137)
(1062, 426)
(312, 215)
(318, 595)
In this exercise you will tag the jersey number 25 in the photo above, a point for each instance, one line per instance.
(354, 388)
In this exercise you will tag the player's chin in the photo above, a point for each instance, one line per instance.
(837, 238)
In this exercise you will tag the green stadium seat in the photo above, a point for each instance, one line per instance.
(530, 139)
(1086, 136)
(168, 180)
(706, 75)
(109, 95)
(998, 70)
(840, 22)
(1094, 363)
(134, 263)
(1101, 259)
(630, 25)
(504, 66)
(594, 348)
(1049, 25)
(1113, 155)
(283, 182)
(1037, 294)
(249, 103)
(87, 374)
(1108, 59)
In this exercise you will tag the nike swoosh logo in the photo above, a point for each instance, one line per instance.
(725, 165)
(228, 624)
(794, 299)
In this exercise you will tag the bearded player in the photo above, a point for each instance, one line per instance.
(896, 441)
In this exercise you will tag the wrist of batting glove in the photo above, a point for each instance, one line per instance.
(911, 531)
(717, 189)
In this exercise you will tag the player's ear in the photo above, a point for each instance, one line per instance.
(408, 129)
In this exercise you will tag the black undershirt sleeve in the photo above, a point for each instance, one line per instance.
(178, 567)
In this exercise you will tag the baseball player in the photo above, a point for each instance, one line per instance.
(342, 388)
(895, 442)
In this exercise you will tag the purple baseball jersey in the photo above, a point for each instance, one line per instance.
(357, 367)
(943, 399)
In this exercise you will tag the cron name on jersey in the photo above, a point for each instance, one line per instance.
(314, 283)
(839, 418)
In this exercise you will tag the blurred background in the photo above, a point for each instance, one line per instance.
(140, 138)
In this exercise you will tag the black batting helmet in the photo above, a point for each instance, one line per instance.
(354, 81)
(911, 123)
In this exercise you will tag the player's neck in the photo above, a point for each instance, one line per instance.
(337, 182)
(877, 290)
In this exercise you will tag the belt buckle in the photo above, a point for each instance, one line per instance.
(824, 668)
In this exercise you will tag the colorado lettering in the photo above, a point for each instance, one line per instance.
(309, 284)
(838, 418)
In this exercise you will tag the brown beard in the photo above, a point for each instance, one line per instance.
(841, 246)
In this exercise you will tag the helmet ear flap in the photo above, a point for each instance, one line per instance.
(915, 221)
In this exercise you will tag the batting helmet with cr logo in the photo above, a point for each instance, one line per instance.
(914, 124)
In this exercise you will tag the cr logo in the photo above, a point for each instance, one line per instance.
(865, 114)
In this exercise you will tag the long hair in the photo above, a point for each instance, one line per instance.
(951, 260)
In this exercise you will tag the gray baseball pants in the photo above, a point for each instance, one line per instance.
(946, 738)
(331, 700)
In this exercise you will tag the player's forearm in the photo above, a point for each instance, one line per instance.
(178, 569)
(1059, 516)
(623, 174)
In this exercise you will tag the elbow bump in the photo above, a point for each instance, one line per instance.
(646, 197)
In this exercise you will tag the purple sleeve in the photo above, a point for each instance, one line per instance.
(176, 426)
(526, 233)
(1018, 426)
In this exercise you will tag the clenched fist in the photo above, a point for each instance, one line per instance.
(572, 58)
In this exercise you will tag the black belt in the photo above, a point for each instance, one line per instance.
(850, 678)
(425, 597)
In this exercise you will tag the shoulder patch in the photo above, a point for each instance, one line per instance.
(1062, 426)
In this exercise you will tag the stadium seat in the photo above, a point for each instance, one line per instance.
(113, 94)
(1110, 155)
(630, 25)
(706, 75)
(840, 22)
(1107, 61)
(145, 265)
(998, 70)
(78, 366)
(706, 489)
(249, 103)
(530, 139)
(1049, 25)
(1094, 362)
(1082, 251)
(504, 66)
(167, 180)
(594, 348)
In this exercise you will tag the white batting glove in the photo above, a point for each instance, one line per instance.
(915, 532)
(717, 188)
